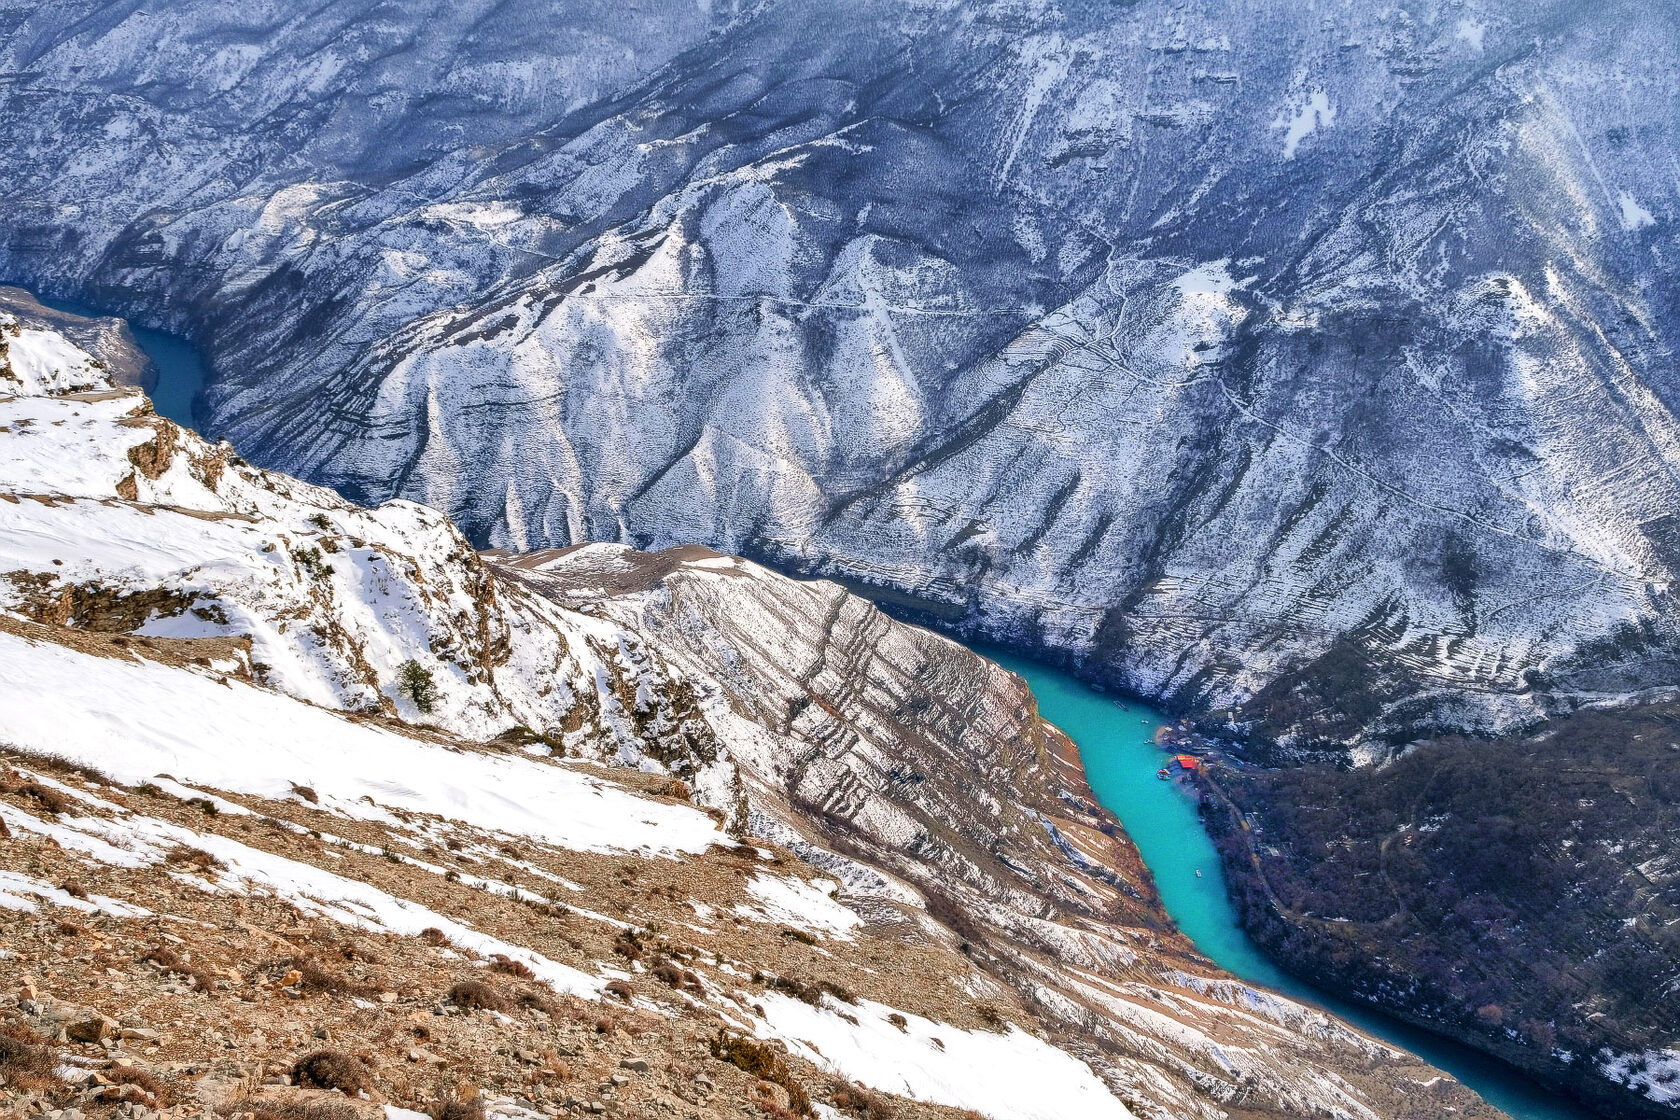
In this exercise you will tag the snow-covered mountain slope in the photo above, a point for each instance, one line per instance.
(108, 339)
(226, 646)
(1316, 362)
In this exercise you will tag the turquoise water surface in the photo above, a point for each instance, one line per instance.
(181, 374)
(1116, 744)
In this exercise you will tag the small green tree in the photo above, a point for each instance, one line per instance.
(309, 559)
(415, 682)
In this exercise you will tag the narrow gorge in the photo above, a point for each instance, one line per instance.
(615, 390)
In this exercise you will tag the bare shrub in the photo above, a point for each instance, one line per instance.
(507, 966)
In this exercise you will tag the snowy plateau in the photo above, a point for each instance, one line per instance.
(745, 837)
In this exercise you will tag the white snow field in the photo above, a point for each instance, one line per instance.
(135, 720)
(1011, 1073)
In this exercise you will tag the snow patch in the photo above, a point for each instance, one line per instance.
(1303, 120)
(1655, 1073)
(1212, 278)
(801, 904)
(252, 871)
(1007, 1076)
(1633, 216)
(20, 892)
(134, 720)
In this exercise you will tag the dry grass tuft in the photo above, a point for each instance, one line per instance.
(507, 966)
(300, 1110)
(764, 1062)
(196, 857)
(168, 960)
(538, 1000)
(805, 991)
(332, 1069)
(159, 1091)
(476, 995)
(457, 1105)
(26, 1061)
(628, 944)
(314, 976)
(669, 972)
(860, 1102)
(48, 798)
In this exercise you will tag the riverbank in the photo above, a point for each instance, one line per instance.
(1435, 886)
(1116, 740)
(173, 372)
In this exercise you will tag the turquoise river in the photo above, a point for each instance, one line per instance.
(1115, 740)
(1116, 744)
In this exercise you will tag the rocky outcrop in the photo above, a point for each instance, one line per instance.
(1312, 371)
(920, 774)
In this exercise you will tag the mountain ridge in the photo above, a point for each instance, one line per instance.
(1092, 330)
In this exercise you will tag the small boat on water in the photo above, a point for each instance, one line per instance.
(1162, 774)
(1198, 873)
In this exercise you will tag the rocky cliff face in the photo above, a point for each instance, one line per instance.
(1312, 368)
(1531, 908)
(288, 707)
